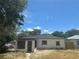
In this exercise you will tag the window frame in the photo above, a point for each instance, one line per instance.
(44, 42)
(57, 43)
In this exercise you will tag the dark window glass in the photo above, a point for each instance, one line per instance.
(44, 42)
(57, 43)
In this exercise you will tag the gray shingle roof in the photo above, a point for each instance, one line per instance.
(43, 37)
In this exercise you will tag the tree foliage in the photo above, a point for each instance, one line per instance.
(66, 34)
(58, 34)
(37, 32)
(30, 33)
(10, 18)
(71, 32)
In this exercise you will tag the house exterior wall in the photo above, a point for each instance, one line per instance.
(74, 42)
(51, 43)
(26, 45)
(33, 45)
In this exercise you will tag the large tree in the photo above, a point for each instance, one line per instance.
(71, 33)
(30, 33)
(10, 18)
(58, 34)
(37, 31)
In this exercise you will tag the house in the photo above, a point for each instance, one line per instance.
(74, 40)
(40, 42)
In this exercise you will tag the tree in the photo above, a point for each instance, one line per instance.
(30, 33)
(37, 32)
(71, 32)
(58, 34)
(10, 19)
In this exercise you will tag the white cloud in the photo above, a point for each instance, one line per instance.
(50, 32)
(18, 32)
(77, 28)
(24, 29)
(29, 29)
(37, 27)
(46, 32)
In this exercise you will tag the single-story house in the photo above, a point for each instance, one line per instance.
(74, 40)
(40, 42)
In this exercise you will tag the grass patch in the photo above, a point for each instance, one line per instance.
(43, 54)
(18, 55)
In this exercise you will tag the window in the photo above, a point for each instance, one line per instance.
(78, 42)
(57, 43)
(44, 42)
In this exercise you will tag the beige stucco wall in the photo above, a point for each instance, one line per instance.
(33, 45)
(26, 45)
(51, 43)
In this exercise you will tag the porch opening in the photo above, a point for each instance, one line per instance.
(29, 46)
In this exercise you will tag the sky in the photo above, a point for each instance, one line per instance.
(51, 15)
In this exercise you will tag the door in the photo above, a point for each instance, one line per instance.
(69, 45)
(29, 46)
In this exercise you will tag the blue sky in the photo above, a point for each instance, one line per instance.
(52, 15)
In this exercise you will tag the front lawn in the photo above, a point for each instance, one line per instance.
(43, 54)
(56, 54)
(13, 55)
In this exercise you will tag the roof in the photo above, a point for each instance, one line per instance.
(42, 37)
(74, 37)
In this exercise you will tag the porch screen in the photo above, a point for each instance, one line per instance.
(21, 44)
